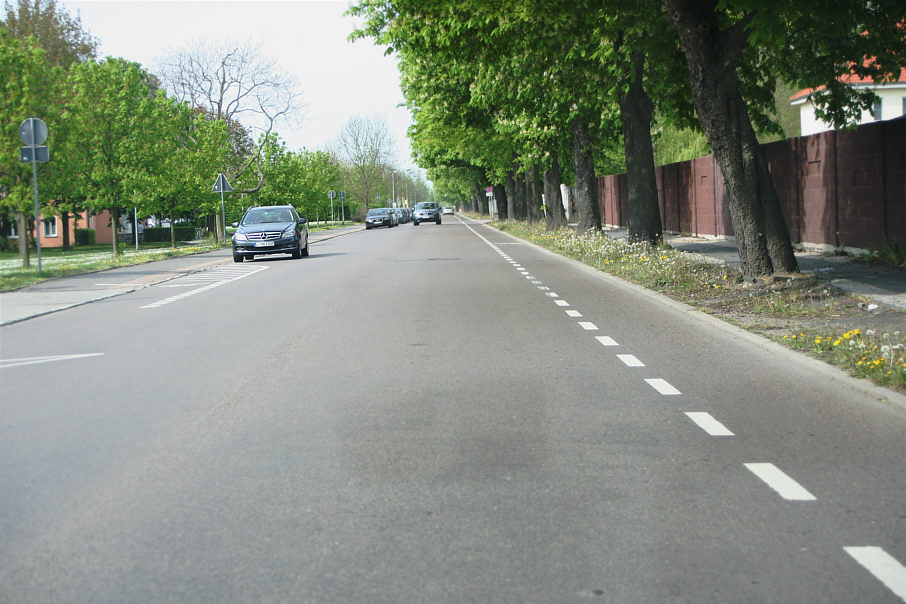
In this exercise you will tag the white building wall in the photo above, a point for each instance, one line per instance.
(892, 98)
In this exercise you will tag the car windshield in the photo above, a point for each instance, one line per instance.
(271, 215)
(378, 212)
(426, 206)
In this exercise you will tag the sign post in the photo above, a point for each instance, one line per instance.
(33, 132)
(331, 194)
(343, 205)
(221, 185)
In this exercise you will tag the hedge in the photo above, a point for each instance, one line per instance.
(85, 237)
(183, 233)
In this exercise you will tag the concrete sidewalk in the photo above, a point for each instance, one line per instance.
(878, 284)
(66, 292)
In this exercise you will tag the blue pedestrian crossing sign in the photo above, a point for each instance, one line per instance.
(221, 185)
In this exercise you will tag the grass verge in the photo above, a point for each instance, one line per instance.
(800, 312)
(56, 262)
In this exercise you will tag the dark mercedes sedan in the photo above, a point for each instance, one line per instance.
(377, 217)
(270, 230)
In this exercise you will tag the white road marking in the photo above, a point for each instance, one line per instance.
(227, 276)
(588, 326)
(561, 302)
(543, 288)
(707, 423)
(775, 478)
(536, 282)
(663, 386)
(883, 566)
(606, 341)
(630, 360)
(552, 295)
(573, 313)
(4, 363)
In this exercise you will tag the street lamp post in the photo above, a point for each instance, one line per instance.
(393, 185)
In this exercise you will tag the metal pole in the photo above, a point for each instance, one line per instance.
(393, 185)
(135, 225)
(34, 173)
(222, 215)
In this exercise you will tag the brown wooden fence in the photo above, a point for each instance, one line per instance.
(839, 188)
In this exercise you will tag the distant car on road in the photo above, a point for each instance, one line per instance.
(378, 217)
(270, 230)
(448, 210)
(426, 211)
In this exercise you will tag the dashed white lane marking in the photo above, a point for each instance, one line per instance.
(630, 360)
(662, 386)
(606, 341)
(552, 295)
(4, 363)
(573, 313)
(775, 478)
(707, 423)
(883, 566)
(561, 302)
(226, 276)
(587, 326)
(543, 288)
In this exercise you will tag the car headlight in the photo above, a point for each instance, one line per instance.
(240, 237)
(290, 232)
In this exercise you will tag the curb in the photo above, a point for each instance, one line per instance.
(862, 386)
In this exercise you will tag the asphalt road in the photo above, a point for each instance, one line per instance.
(433, 414)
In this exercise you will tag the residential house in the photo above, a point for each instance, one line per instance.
(891, 103)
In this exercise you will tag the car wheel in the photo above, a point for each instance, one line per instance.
(367, 227)
(297, 253)
(438, 221)
(415, 223)
(305, 249)
(237, 257)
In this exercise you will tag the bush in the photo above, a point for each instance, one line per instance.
(183, 233)
(85, 237)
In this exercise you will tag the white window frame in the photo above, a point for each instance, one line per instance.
(49, 227)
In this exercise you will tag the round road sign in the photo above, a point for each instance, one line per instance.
(33, 131)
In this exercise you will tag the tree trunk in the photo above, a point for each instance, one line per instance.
(22, 230)
(519, 201)
(636, 110)
(511, 194)
(586, 183)
(553, 199)
(115, 227)
(711, 54)
(64, 218)
(533, 191)
(502, 202)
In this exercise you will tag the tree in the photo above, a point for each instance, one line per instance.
(58, 33)
(28, 87)
(114, 110)
(735, 49)
(365, 145)
(232, 82)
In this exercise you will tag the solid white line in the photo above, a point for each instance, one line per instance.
(662, 386)
(775, 478)
(630, 360)
(36, 360)
(588, 326)
(561, 302)
(606, 340)
(573, 313)
(883, 566)
(707, 423)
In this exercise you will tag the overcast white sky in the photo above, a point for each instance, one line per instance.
(339, 79)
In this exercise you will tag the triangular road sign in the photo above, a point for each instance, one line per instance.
(221, 185)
